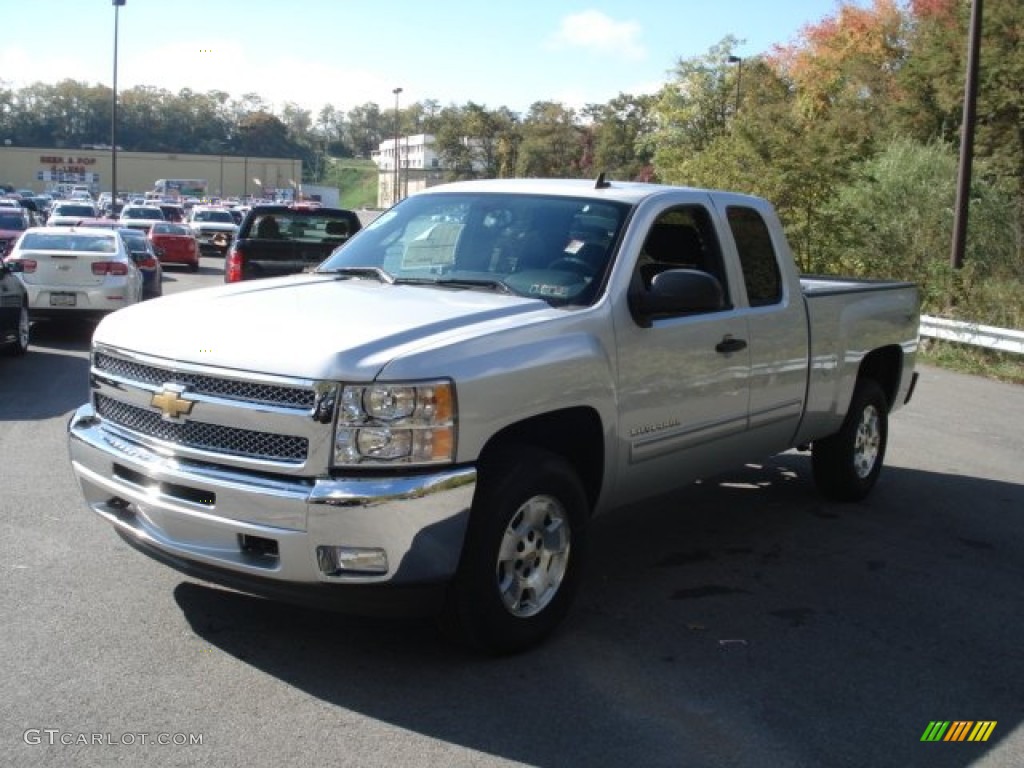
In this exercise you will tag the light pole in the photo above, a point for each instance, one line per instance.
(394, 193)
(738, 61)
(113, 115)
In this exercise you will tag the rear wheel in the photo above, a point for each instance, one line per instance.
(847, 464)
(523, 552)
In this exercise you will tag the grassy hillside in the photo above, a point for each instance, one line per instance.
(357, 181)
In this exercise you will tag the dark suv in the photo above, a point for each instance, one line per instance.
(284, 239)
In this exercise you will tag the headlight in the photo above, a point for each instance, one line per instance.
(405, 423)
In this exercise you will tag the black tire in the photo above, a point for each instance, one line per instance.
(847, 464)
(193, 268)
(526, 533)
(20, 344)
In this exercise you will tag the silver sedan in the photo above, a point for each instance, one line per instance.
(76, 271)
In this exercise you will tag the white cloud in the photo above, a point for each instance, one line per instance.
(597, 32)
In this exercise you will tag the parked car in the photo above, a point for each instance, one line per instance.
(67, 213)
(214, 228)
(172, 211)
(146, 259)
(76, 271)
(15, 328)
(141, 250)
(284, 239)
(175, 244)
(13, 221)
(140, 216)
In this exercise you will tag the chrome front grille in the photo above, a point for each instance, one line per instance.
(232, 389)
(206, 437)
(249, 421)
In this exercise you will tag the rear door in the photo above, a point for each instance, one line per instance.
(778, 330)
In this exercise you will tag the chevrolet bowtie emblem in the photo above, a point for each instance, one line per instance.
(170, 402)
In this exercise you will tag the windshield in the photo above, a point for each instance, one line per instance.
(74, 210)
(552, 248)
(222, 217)
(142, 213)
(63, 241)
(11, 222)
(171, 229)
(134, 238)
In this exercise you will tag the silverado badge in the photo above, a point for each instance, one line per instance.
(171, 403)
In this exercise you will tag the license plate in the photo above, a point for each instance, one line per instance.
(62, 299)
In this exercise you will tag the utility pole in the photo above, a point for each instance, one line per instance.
(963, 184)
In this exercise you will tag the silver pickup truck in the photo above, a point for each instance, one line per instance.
(429, 420)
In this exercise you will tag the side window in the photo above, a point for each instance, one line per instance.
(682, 238)
(757, 256)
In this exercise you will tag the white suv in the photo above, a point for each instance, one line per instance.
(214, 228)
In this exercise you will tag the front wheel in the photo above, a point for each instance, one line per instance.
(847, 464)
(523, 552)
(21, 339)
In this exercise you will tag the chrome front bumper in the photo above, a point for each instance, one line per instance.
(266, 529)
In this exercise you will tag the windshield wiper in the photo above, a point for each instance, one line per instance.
(374, 272)
(456, 282)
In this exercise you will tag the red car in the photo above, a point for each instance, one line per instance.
(13, 221)
(176, 243)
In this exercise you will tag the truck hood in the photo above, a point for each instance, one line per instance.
(310, 326)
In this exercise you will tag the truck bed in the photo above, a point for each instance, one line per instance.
(847, 319)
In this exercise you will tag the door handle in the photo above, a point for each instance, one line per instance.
(729, 344)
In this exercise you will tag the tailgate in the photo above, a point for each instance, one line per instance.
(64, 269)
(269, 258)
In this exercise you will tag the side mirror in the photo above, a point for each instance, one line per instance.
(677, 292)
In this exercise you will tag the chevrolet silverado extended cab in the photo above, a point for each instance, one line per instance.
(430, 419)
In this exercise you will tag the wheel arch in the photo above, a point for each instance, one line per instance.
(884, 366)
(576, 434)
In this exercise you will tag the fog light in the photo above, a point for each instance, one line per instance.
(351, 561)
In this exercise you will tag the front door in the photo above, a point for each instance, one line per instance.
(684, 380)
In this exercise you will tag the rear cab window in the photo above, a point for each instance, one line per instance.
(758, 259)
(314, 226)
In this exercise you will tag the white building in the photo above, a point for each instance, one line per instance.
(406, 167)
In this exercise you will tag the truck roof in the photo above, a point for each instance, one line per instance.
(631, 192)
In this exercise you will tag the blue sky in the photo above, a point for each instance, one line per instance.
(346, 53)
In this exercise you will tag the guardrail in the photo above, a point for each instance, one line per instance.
(976, 335)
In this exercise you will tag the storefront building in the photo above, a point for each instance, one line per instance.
(43, 169)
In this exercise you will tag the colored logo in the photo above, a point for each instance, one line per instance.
(959, 730)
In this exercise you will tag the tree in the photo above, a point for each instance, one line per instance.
(619, 136)
(895, 220)
(366, 128)
(551, 144)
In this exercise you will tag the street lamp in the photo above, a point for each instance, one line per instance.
(113, 115)
(394, 193)
(738, 61)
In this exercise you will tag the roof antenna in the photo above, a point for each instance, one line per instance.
(601, 183)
